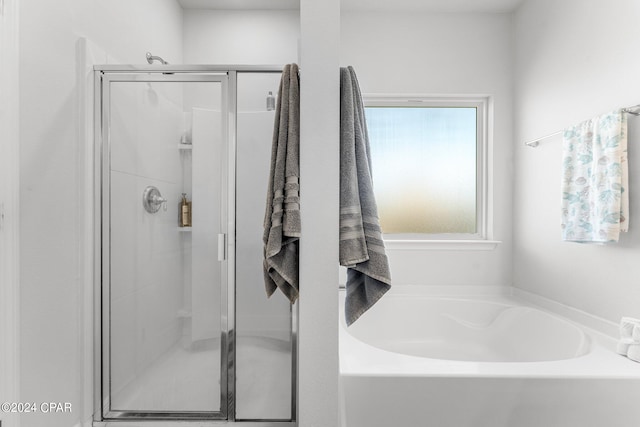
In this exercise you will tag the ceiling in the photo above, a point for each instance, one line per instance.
(383, 5)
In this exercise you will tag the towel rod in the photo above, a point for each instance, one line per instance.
(535, 142)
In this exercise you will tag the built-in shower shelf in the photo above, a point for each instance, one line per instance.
(184, 229)
(185, 147)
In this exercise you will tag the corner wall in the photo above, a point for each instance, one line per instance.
(457, 54)
(574, 59)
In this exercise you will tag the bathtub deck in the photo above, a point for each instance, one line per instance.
(359, 358)
(597, 389)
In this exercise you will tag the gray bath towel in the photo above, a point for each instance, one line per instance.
(282, 215)
(361, 245)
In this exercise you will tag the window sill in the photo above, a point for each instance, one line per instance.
(442, 245)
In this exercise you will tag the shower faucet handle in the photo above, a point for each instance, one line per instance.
(152, 200)
(161, 200)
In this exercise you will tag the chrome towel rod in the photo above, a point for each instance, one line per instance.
(535, 142)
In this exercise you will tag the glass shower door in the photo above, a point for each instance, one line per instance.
(165, 216)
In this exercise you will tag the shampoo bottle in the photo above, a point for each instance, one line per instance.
(184, 212)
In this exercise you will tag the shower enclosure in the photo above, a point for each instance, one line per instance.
(184, 329)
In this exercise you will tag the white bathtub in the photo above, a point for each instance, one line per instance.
(477, 357)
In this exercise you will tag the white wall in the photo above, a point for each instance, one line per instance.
(9, 209)
(241, 36)
(53, 177)
(574, 59)
(426, 53)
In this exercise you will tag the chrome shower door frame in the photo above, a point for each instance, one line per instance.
(104, 76)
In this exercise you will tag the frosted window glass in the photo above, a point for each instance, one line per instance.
(424, 168)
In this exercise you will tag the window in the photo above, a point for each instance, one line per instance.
(428, 167)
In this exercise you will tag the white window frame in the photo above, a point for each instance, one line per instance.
(482, 238)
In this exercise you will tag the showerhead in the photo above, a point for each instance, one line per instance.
(151, 58)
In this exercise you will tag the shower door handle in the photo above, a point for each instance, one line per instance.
(222, 240)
